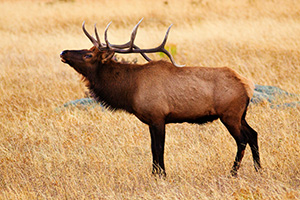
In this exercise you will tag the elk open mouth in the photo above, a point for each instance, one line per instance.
(62, 59)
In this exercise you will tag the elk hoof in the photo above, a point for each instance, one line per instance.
(233, 173)
(159, 173)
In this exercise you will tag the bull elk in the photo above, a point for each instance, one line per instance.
(160, 92)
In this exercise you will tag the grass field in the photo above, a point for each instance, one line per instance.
(50, 153)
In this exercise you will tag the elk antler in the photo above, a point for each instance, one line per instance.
(101, 46)
(131, 47)
(97, 42)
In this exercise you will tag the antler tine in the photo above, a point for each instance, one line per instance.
(93, 40)
(162, 48)
(105, 36)
(143, 54)
(166, 36)
(97, 37)
(133, 34)
(171, 58)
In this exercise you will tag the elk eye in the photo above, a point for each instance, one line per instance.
(88, 56)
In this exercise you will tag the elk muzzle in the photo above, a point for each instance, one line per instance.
(62, 56)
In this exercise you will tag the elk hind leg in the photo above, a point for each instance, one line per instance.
(234, 127)
(251, 135)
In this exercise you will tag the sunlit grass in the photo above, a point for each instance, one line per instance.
(50, 153)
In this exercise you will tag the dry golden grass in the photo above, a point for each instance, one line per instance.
(90, 154)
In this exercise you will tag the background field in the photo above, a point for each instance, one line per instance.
(50, 153)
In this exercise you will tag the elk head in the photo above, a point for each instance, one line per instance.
(84, 61)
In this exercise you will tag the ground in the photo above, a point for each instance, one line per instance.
(50, 153)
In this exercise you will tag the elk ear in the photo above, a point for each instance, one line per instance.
(106, 56)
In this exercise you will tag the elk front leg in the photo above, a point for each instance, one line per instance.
(157, 132)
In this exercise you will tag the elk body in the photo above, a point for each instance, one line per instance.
(160, 92)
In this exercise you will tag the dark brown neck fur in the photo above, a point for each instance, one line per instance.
(113, 86)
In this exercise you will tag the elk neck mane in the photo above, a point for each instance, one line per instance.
(113, 85)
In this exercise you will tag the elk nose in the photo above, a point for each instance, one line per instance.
(62, 56)
(63, 53)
